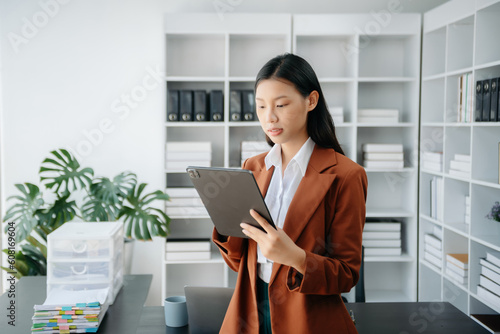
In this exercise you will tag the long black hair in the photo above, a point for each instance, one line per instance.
(297, 70)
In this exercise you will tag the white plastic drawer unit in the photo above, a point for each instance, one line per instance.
(87, 271)
(86, 240)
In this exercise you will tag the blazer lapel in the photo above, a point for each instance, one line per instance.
(263, 179)
(310, 193)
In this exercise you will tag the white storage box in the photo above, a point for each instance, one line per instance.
(86, 256)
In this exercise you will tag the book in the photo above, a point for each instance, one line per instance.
(383, 156)
(381, 235)
(494, 100)
(379, 148)
(433, 250)
(377, 119)
(488, 295)
(200, 106)
(460, 166)
(460, 260)
(486, 100)
(172, 105)
(186, 105)
(189, 146)
(462, 157)
(432, 156)
(187, 245)
(485, 263)
(386, 251)
(457, 173)
(454, 276)
(485, 282)
(382, 243)
(478, 112)
(378, 112)
(457, 270)
(216, 106)
(187, 256)
(432, 259)
(383, 164)
(433, 240)
(382, 227)
(493, 259)
(491, 274)
(235, 106)
(435, 166)
(248, 105)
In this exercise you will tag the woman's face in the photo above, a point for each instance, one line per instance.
(282, 111)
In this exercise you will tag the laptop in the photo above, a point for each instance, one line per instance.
(206, 308)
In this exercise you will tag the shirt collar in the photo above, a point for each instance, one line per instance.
(273, 158)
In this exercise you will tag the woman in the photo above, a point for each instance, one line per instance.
(290, 279)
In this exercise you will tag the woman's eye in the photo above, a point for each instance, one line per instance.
(280, 105)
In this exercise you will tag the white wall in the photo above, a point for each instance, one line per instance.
(67, 67)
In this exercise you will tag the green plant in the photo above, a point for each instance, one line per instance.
(73, 193)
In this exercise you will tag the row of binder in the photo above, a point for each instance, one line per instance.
(487, 100)
(195, 105)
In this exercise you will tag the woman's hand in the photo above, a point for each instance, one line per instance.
(275, 245)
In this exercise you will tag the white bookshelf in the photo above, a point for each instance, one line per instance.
(206, 52)
(384, 73)
(459, 37)
(377, 69)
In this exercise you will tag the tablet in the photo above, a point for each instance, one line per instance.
(228, 195)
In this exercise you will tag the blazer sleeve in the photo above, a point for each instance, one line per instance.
(232, 249)
(337, 269)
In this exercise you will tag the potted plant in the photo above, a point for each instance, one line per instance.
(72, 192)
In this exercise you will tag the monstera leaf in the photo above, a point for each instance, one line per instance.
(64, 173)
(140, 219)
(24, 210)
(31, 260)
(63, 210)
(106, 197)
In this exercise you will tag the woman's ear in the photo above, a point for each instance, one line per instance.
(312, 100)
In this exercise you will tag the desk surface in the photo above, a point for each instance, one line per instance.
(371, 318)
(121, 318)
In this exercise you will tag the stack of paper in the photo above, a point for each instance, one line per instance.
(460, 166)
(433, 245)
(382, 238)
(489, 281)
(337, 114)
(252, 148)
(437, 198)
(457, 266)
(383, 156)
(432, 161)
(378, 115)
(70, 311)
(184, 202)
(182, 154)
(187, 249)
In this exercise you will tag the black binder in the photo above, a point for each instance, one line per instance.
(200, 105)
(478, 114)
(248, 105)
(172, 105)
(235, 106)
(494, 100)
(216, 106)
(186, 105)
(486, 100)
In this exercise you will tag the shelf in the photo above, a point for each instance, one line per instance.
(194, 124)
(333, 80)
(432, 124)
(490, 183)
(216, 258)
(431, 172)
(387, 79)
(244, 124)
(457, 124)
(402, 258)
(385, 125)
(434, 77)
(487, 65)
(194, 79)
(390, 170)
(487, 243)
(389, 213)
(459, 228)
(432, 220)
(430, 266)
(242, 79)
(486, 302)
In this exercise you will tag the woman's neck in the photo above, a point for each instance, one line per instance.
(289, 150)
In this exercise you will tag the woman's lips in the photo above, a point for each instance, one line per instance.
(274, 132)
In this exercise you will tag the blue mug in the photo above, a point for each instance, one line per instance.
(176, 311)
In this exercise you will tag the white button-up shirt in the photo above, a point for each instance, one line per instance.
(281, 191)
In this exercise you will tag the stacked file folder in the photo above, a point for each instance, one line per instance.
(337, 114)
(461, 166)
(378, 116)
(187, 249)
(457, 266)
(184, 203)
(252, 148)
(433, 246)
(182, 154)
(383, 156)
(489, 280)
(70, 312)
(382, 238)
(432, 161)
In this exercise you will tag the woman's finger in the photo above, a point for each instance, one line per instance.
(261, 220)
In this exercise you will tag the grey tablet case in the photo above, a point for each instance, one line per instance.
(228, 195)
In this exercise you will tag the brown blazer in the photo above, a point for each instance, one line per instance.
(325, 218)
